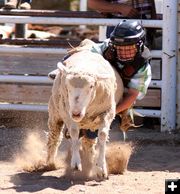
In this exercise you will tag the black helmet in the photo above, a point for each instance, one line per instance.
(128, 32)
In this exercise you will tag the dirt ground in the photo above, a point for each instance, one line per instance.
(156, 157)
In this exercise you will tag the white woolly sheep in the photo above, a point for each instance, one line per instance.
(84, 96)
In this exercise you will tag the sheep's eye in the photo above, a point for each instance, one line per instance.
(91, 86)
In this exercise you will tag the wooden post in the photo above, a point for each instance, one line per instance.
(20, 30)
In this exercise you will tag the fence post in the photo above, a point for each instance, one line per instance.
(83, 7)
(20, 30)
(102, 33)
(169, 60)
(178, 77)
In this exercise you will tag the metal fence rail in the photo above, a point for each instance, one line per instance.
(73, 21)
(45, 80)
(44, 108)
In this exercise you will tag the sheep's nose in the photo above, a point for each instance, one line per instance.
(76, 114)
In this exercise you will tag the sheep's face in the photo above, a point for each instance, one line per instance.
(80, 93)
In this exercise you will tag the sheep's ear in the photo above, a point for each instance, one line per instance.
(52, 74)
(62, 67)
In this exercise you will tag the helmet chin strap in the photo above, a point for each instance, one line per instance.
(140, 46)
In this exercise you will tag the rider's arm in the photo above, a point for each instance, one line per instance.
(109, 7)
(137, 88)
(128, 100)
(103, 6)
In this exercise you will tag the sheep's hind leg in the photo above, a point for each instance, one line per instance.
(54, 139)
(88, 155)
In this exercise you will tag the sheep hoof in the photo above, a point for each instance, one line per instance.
(76, 167)
(101, 174)
(79, 167)
(50, 166)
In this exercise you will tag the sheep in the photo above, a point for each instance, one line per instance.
(84, 96)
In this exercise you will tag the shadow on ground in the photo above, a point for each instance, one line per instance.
(37, 182)
(34, 182)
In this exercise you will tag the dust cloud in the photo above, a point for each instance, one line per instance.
(117, 156)
(33, 158)
(33, 154)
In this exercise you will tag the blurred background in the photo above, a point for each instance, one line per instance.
(53, 4)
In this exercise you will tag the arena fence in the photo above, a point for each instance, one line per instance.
(13, 84)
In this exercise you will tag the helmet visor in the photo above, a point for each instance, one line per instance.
(126, 52)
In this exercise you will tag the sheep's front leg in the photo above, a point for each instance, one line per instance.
(54, 140)
(75, 143)
(103, 135)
